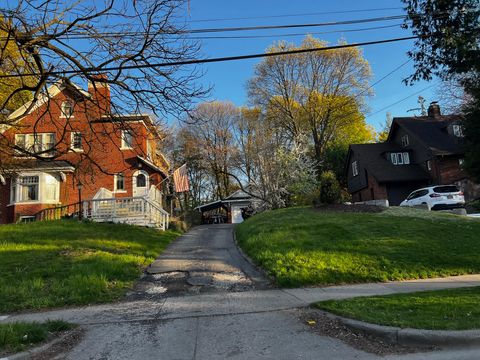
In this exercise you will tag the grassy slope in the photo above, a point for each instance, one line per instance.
(19, 336)
(302, 246)
(68, 263)
(446, 309)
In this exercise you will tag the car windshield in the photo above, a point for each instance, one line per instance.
(446, 189)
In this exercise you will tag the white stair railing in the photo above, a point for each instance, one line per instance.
(134, 210)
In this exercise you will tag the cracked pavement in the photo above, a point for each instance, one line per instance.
(202, 300)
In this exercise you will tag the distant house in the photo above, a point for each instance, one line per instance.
(230, 210)
(419, 151)
(86, 152)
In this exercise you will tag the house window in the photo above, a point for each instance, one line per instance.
(127, 139)
(405, 141)
(400, 158)
(76, 141)
(355, 168)
(429, 165)
(119, 182)
(67, 109)
(35, 143)
(457, 130)
(28, 188)
(461, 162)
(141, 180)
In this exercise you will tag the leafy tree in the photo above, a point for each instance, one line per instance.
(449, 46)
(311, 96)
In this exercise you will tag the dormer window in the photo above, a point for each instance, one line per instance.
(405, 141)
(355, 168)
(457, 130)
(401, 158)
(67, 109)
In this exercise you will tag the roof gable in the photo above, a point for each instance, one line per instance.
(431, 132)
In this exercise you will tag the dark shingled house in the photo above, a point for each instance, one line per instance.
(420, 151)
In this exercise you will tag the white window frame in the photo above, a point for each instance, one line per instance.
(115, 178)
(31, 141)
(44, 180)
(406, 158)
(405, 140)
(72, 142)
(457, 130)
(355, 168)
(393, 157)
(429, 165)
(461, 162)
(63, 114)
(125, 145)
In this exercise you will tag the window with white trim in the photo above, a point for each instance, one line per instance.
(461, 162)
(119, 180)
(355, 168)
(67, 109)
(127, 139)
(457, 130)
(76, 141)
(402, 158)
(405, 141)
(28, 188)
(35, 143)
(429, 165)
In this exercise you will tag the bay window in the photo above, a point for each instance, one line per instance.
(37, 187)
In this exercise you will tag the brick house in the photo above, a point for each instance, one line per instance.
(420, 151)
(69, 137)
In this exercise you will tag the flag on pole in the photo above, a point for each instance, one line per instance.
(180, 179)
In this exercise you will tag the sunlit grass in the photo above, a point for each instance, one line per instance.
(18, 336)
(302, 246)
(455, 309)
(62, 263)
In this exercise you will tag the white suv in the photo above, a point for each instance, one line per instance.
(440, 197)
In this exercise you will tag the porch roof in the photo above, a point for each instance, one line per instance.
(40, 165)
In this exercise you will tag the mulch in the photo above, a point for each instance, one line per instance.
(326, 326)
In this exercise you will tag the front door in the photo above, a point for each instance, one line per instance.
(140, 183)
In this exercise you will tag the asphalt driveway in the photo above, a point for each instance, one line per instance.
(204, 260)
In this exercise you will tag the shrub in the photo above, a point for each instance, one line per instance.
(330, 192)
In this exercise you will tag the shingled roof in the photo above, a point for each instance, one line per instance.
(373, 159)
(433, 132)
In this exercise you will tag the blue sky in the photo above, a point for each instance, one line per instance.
(229, 79)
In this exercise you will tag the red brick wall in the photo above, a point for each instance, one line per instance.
(101, 158)
(379, 191)
(448, 170)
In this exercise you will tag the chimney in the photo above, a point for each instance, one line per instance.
(100, 91)
(434, 110)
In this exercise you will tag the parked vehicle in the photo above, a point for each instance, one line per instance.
(440, 197)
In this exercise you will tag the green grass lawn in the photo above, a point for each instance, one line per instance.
(303, 246)
(52, 264)
(455, 309)
(19, 336)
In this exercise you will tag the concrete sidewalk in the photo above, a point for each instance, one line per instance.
(235, 303)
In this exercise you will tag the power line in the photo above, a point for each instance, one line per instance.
(212, 60)
(399, 101)
(295, 15)
(292, 34)
(79, 35)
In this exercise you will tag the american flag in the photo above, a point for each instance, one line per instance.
(180, 179)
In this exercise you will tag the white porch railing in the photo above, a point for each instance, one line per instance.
(131, 210)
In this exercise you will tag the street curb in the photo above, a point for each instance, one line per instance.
(27, 354)
(411, 337)
(270, 278)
